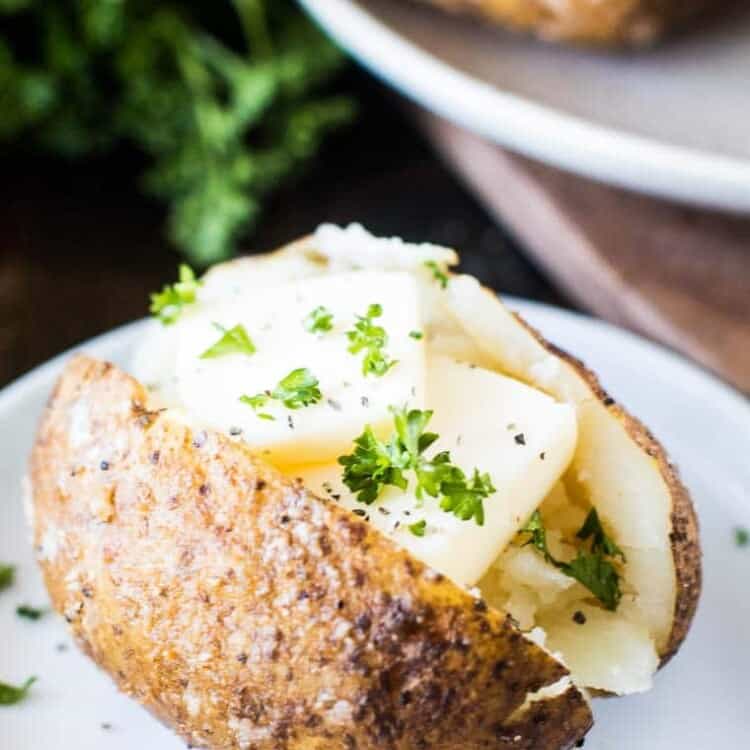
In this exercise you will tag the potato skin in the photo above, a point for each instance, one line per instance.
(246, 613)
(591, 22)
(684, 536)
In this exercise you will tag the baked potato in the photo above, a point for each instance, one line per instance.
(212, 555)
(593, 22)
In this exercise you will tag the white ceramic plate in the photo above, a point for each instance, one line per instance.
(673, 121)
(700, 701)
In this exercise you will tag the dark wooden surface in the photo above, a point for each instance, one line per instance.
(678, 275)
(81, 248)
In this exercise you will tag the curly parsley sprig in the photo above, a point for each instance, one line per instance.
(297, 390)
(589, 568)
(169, 303)
(371, 338)
(374, 464)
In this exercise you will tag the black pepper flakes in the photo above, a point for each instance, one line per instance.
(608, 401)
(365, 401)
(290, 421)
(359, 512)
(106, 726)
(542, 455)
(520, 439)
(104, 465)
(335, 405)
(235, 431)
(579, 618)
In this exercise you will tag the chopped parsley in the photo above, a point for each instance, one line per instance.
(298, 389)
(371, 338)
(742, 537)
(30, 613)
(589, 568)
(168, 304)
(416, 335)
(6, 576)
(320, 320)
(438, 273)
(232, 341)
(374, 464)
(9, 695)
(418, 528)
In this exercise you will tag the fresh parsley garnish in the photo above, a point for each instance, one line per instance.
(30, 613)
(374, 464)
(371, 338)
(439, 275)
(9, 695)
(589, 568)
(7, 573)
(418, 528)
(416, 335)
(169, 303)
(232, 341)
(297, 390)
(222, 105)
(320, 320)
(742, 537)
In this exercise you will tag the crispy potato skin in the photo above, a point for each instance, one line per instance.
(591, 22)
(247, 613)
(684, 536)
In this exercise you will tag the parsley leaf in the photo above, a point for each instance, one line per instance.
(233, 341)
(372, 465)
(298, 389)
(9, 695)
(375, 464)
(439, 275)
(169, 303)
(590, 569)
(418, 528)
(30, 613)
(320, 320)
(600, 542)
(7, 573)
(416, 335)
(597, 575)
(742, 537)
(465, 498)
(371, 338)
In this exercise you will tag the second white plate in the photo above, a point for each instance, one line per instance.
(673, 121)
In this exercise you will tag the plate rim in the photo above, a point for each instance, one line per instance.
(606, 154)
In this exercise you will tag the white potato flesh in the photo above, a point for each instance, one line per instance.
(273, 318)
(522, 438)
(612, 472)
(606, 652)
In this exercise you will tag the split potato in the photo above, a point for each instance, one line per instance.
(249, 607)
(593, 22)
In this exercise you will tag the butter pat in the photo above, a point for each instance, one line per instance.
(521, 437)
(210, 389)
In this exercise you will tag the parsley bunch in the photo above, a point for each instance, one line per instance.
(589, 568)
(374, 464)
(222, 97)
